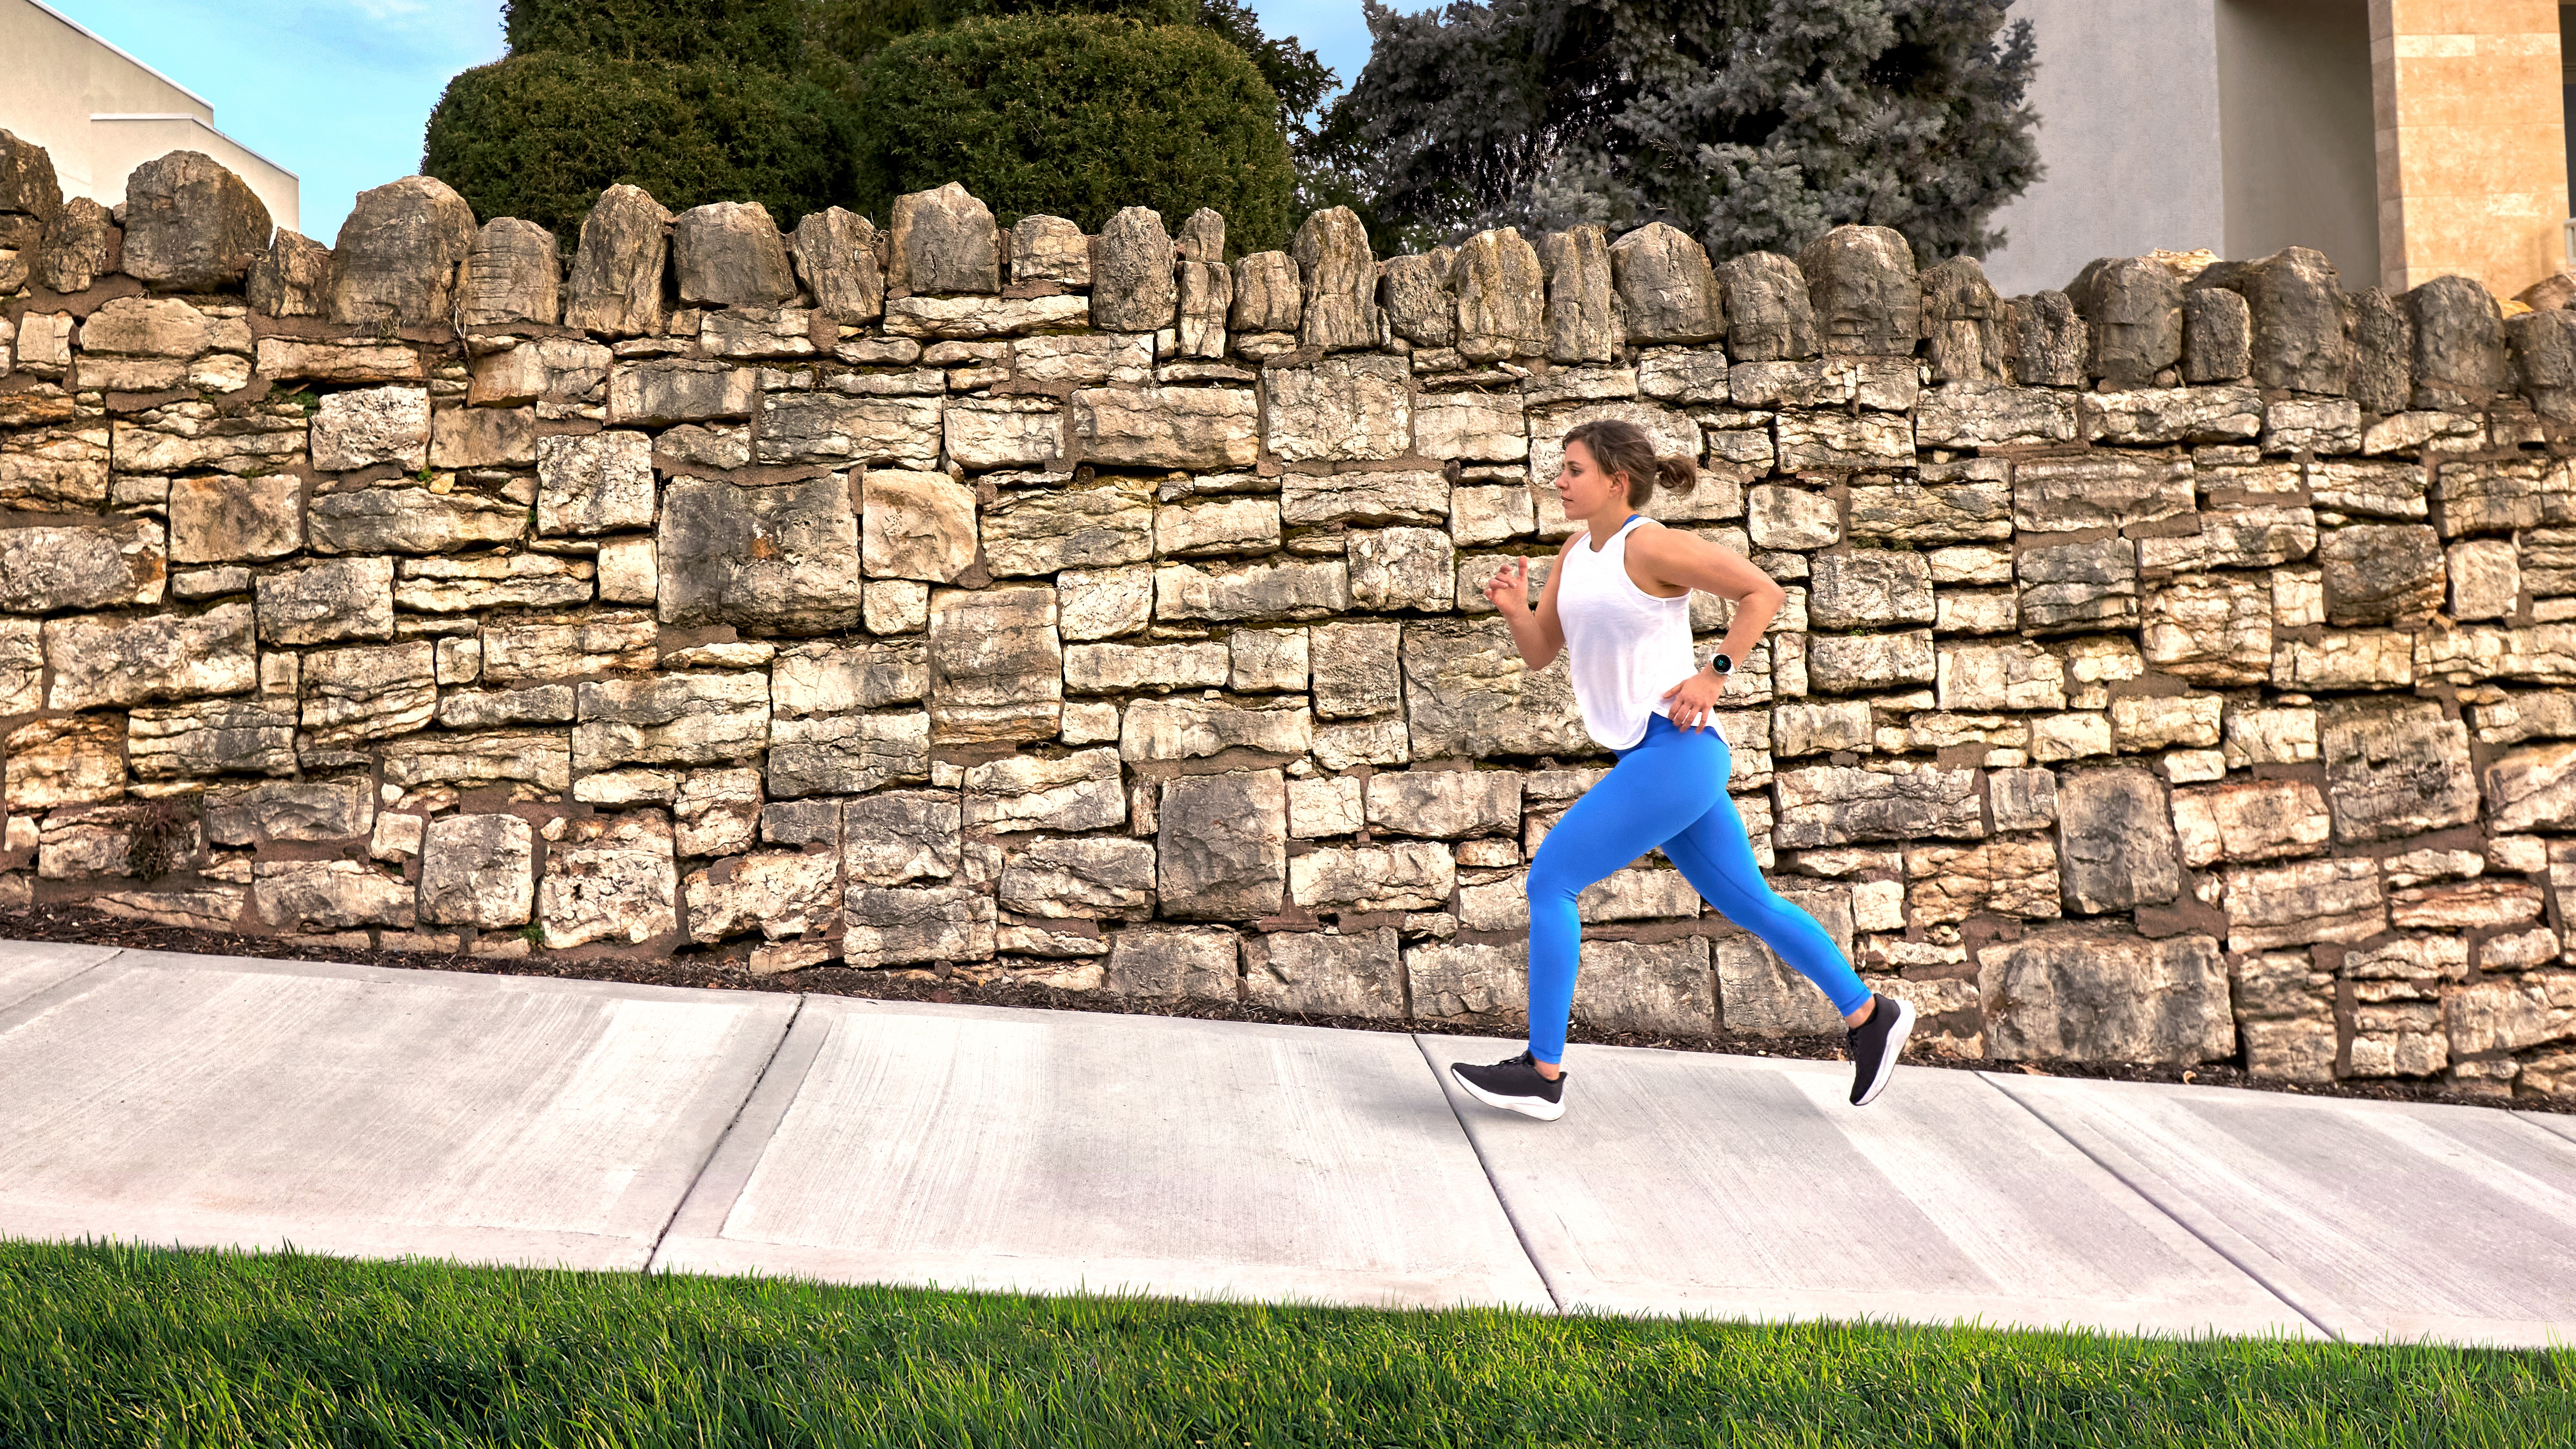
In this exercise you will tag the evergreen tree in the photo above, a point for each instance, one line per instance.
(693, 100)
(1753, 124)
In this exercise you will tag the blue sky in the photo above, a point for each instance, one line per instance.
(337, 90)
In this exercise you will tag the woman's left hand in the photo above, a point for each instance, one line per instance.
(1692, 699)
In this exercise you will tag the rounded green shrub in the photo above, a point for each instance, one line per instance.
(1077, 116)
(540, 136)
(761, 34)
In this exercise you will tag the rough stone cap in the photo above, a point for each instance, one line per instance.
(400, 253)
(191, 224)
(27, 182)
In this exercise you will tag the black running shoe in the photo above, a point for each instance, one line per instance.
(1875, 1046)
(1514, 1086)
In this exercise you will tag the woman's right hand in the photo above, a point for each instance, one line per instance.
(1508, 589)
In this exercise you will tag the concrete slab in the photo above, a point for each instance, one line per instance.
(1747, 1187)
(2380, 1220)
(355, 1110)
(28, 967)
(1053, 1152)
(2558, 1122)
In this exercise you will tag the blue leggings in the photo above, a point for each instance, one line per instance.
(1668, 790)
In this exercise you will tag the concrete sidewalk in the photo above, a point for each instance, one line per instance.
(359, 1110)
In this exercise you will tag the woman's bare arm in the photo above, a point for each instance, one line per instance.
(1536, 632)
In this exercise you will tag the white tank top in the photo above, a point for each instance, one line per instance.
(1625, 646)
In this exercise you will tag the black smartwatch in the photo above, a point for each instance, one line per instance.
(1721, 663)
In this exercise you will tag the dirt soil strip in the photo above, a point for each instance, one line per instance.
(81, 926)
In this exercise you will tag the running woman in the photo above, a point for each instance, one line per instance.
(1618, 601)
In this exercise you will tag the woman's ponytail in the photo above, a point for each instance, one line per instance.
(1676, 474)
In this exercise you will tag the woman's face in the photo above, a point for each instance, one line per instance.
(1582, 487)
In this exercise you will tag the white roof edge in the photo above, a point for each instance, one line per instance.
(197, 120)
(157, 75)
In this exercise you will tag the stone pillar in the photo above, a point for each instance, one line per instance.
(2472, 141)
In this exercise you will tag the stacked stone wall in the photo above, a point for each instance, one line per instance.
(2178, 668)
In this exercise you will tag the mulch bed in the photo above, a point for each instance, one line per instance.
(78, 925)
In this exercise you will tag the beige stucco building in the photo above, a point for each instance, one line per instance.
(2402, 138)
(101, 112)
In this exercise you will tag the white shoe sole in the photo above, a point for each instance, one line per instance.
(1526, 1106)
(1895, 1049)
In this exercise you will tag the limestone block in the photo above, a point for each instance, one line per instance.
(2013, 875)
(2211, 629)
(1445, 804)
(2217, 336)
(2382, 573)
(1414, 290)
(2116, 839)
(52, 763)
(2046, 342)
(1126, 668)
(2459, 344)
(2398, 768)
(548, 648)
(474, 760)
(1087, 878)
(1181, 727)
(1402, 568)
(292, 278)
(2494, 1016)
(1857, 663)
(1269, 296)
(1969, 507)
(1452, 981)
(730, 254)
(1869, 589)
(1835, 442)
(1985, 415)
(1294, 589)
(1667, 287)
(1080, 360)
(1821, 728)
(1168, 427)
(1768, 314)
(716, 812)
(2396, 490)
(835, 254)
(1325, 976)
(835, 678)
(1474, 426)
(2078, 587)
(1489, 515)
(1407, 497)
(846, 754)
(2059, 495)
(751, 331)
(1049, 249)
(55, 470)
(925, 923)
(2014, 676)
(1660, 988)
(2022, 799)
(323, 602)
(2471, 906)
(2312, 425)
(44, 570)
(996, 664)
(2301, 901)
(367, 426)
(2235, 538)
(1501, 292)
(1867, 298)
(918, 526)
(1339, 282)
(82, 243)
(2156, 722)
(1339, 409)
(1322, 806)
(353, 695)
(779, 894)
(1356, 669)
(2133, 309)
(896, 837)
(191, 225)
(824, 428)
(1079, 791)
(780, 558)
(2531, 787)
(1132, 287)
(2250, 820)
(1173, 960)
(412, 520)
(542, 367)
(1047, 530)
(2074, 993)
(512, 274)
(675, 390)
(483, 438)
(496, 708)
(671, 719)
(478, 870)
(610, 878)
(1962, 322)
(1838, 805)
(594, 483)
(1412, 875)
(1218, 526)
(1466, 692)
(1759, 995)
(969, 318)
(2360, 659)
(944, 241)
(1221, 849)
(329, 895)
(1584, 321)
(1095, 603)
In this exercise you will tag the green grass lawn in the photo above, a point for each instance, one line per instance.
(114, 1345)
